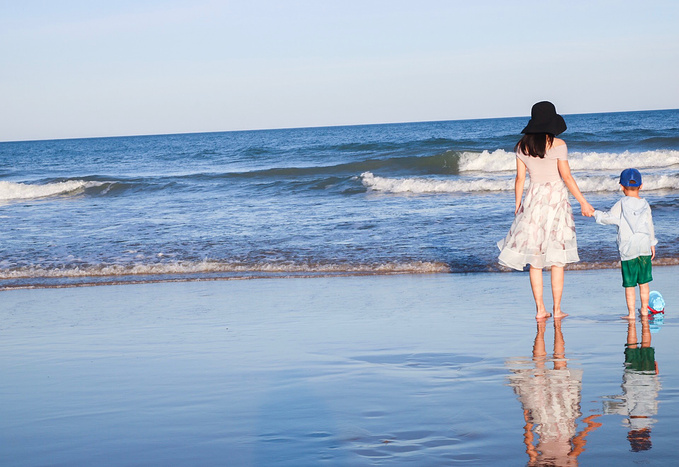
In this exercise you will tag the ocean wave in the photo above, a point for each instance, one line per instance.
(21, 191)
(594, 265)
(503, 161)
(607, 183)
(443, 163)
(454, 162)
(481, 172)
(424, 185)
(37, 277)
(486, 161)
(600, 183)
(591, 161)
(208, 267)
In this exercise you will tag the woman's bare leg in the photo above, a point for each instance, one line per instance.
(557, 291)
(559, 346)
(536, 285)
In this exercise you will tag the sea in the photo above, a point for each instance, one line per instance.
(427, 197)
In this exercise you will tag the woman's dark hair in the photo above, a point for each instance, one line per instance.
(535, 144)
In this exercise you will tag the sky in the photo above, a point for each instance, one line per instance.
(92, 68)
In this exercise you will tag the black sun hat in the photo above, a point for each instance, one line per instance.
(544, 119)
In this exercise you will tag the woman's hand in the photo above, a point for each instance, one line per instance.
(565, 172)
(587, 209)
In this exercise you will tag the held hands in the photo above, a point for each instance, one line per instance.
(587, 209)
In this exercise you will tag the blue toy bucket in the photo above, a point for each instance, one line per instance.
(656, 304)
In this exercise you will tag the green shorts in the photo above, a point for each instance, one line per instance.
(642, 359)
(636, 271)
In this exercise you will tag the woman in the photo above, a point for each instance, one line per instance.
(543, 232)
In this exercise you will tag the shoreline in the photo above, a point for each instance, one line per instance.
(66, 282)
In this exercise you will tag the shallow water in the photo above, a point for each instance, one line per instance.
(405, 370)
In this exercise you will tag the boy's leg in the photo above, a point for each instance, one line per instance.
(536, 286)
(645, 277)
(631, 298)
(557, 291)
(630, 275)
(644, 292)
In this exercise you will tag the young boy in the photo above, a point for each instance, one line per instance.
(636, 239)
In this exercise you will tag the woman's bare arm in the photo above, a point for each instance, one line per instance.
(565, 172)
(519, 182)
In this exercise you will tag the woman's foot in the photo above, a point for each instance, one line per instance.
(558, 314)
(542, 314)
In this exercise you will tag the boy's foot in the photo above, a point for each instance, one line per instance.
(629, 317)
(543, 315)
(644, 312)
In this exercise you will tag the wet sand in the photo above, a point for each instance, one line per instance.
(394, 370)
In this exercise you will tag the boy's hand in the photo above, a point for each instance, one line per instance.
(652, 252)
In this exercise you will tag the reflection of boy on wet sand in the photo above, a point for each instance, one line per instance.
(551, 404)
(640, 387)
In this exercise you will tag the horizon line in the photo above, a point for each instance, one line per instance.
(141, 135)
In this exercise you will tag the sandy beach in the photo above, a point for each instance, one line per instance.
(378, 370)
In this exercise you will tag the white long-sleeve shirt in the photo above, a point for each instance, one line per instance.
(636, 234)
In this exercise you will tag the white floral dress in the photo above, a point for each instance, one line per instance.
(543, 231)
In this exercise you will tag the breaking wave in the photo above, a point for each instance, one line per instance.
(208, 266)
(37, 277)
(503, 161)
(598, 183)
(20, 191)
(430, 185)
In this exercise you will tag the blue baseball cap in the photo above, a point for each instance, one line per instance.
(630, 177)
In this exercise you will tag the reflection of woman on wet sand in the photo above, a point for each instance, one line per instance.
(640, 386)
(551, 404)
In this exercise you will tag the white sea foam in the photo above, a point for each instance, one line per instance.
(589, 161)
(207, 267)
(14, 191)
(425, 185)
(607, 183)
(597, 183)
(503, 161)
(496, 161)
